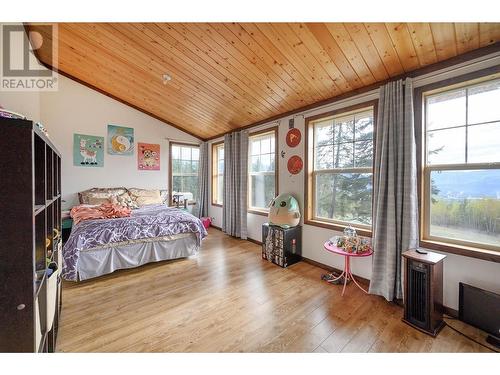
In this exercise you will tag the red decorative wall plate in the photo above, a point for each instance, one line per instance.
(295, 164)
(293, 137)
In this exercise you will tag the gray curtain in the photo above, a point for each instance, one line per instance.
(234, 210)
(203, 178)
(395, 207)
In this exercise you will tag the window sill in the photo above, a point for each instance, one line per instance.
(257, 212)
(466, 251)
(337, 227)
(216, 204)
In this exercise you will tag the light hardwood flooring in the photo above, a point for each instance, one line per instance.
(227, 299)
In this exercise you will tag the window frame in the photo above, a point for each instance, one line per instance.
(170, 169)
(310, 172)
(250, 208)
(215, 172)
(454, 246)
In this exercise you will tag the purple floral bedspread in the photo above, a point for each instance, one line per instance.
(144, 223)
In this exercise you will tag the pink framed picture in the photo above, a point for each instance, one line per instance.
(148, 157)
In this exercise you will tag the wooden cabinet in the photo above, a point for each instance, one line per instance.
(30, 240)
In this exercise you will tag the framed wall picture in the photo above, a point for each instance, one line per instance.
(88, 150)
(120, 140)
(148, 157)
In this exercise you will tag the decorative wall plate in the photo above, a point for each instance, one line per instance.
(295, 164)
(293, 137)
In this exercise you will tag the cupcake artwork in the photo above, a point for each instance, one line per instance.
(120, 140)
(148, 157)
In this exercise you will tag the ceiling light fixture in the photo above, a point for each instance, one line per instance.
(166, 78)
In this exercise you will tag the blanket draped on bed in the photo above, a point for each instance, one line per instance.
(104, 211)
(148, 222)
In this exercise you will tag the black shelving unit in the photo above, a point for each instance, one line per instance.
(30, 240)
(285, 244)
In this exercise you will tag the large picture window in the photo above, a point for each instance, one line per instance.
(340, 168)
(184, 161)
(262, 186)
(461, 168)
(217, 173)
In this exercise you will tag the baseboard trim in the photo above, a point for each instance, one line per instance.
(255, 241)
(446, 310)
(333, 269)
(248, 239)
(450, 312)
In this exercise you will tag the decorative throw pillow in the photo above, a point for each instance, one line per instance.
(125, 200)
(145, 197)
(99, 195)
(164, 196)
(96, 199)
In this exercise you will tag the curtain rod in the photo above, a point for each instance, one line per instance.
(182, 141)
(361, 97)
(417, 80)
(494, 57)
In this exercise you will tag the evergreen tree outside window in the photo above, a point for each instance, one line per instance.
(340, 169)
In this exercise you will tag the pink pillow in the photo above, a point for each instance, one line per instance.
(206, 221)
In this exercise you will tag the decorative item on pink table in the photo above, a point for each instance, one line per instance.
(349, 245)
(350, 242)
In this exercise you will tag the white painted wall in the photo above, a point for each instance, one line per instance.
(75, 108)
(27, 103)
(480, 273)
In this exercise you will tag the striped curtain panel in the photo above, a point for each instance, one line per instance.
(203, 181)
(395, 201)
(234, 210)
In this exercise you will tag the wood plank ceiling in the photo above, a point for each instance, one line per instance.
(229, 75)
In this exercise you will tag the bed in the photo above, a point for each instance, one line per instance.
(151, 233)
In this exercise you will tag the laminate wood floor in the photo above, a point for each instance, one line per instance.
(227, 299)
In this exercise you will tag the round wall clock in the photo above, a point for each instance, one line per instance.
(293, 137)
(295, 164)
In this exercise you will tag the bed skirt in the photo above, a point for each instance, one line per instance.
(101, 261)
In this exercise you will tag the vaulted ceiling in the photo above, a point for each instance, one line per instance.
(229, 75)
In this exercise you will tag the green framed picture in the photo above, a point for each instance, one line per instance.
(88, 150)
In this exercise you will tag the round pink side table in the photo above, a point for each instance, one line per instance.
(346, 273)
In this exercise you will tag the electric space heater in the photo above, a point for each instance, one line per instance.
(423, 290)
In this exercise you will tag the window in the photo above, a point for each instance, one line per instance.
(339, 168)
(184, 160)
(461, 169)
(218, 173)
(262, 185)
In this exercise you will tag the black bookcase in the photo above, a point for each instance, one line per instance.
(285, 244)
(30, 240)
